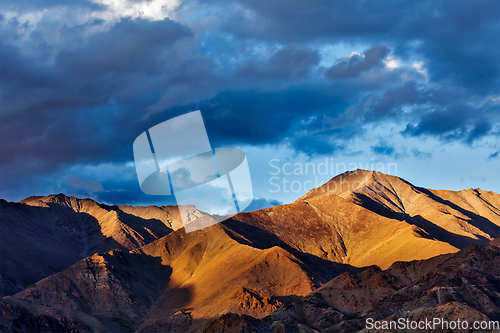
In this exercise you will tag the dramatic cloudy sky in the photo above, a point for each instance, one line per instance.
(411, 88)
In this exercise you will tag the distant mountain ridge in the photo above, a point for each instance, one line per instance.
(310, 265)
(460, 286)
(368, 218)
(457, 217)
(40, 236)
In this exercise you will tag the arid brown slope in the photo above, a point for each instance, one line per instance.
(268, 264)
(458, 218)
(179, 282)
(338, 229)
(214, 272)
(102, 293)
(464, 285)
(335, 222)
(43, 235)
(206, 273)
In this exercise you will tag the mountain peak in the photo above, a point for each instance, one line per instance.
(358, 180)
(255, 263)
(60, 198)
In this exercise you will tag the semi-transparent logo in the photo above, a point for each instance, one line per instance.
(175, 158)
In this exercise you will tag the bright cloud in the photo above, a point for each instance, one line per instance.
(152, 10)
(391, 62)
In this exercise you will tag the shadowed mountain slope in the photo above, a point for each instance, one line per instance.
(464, 286)
(459, 218)
(40, 236)
(323, 263)
(179, 282)
(334, 226)
(206, 274)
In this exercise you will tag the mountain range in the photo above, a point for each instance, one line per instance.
(363, 245)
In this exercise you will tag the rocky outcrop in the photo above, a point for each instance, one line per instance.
(40, 236)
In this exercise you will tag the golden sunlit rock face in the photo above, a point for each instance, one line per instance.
(363, 245)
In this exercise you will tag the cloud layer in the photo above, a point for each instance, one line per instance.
(81, 80)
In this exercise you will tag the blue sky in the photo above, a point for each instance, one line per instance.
(368, 84)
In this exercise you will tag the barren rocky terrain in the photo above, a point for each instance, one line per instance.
(40, 236)
(364, 245)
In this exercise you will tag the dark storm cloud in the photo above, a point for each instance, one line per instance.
(115, 190)
(316, 144)
(460, 37)
(88, 185)
(392, 101)
(78, 110)
(452, 122)
(288, 63)
(383, 150)
(68, 112)
(266, 118)
(356, 64)
(303, 21)
(461, 40)
(255, 70)
(444, 112)
(130, 46)
(457, 41)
